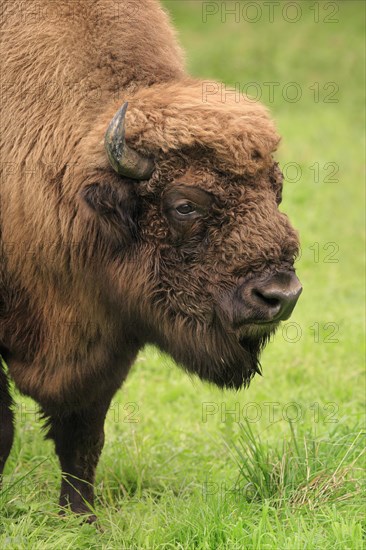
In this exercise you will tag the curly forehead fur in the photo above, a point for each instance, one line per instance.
(238, 134)
(178, 116)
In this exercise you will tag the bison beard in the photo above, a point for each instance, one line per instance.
(147, 214)
(216, 356)
(233, 363)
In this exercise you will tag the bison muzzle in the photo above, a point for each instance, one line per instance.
(136, 206)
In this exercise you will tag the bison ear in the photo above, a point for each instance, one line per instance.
(114, 209)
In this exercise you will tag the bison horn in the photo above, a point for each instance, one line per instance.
(125, 161)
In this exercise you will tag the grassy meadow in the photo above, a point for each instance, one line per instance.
(279, 465)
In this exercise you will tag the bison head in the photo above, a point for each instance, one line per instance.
(203, 259)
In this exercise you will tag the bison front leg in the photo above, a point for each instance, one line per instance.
(6, 419)
(79, 439)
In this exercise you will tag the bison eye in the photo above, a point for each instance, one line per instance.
(185, 209)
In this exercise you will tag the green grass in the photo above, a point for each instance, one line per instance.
(280, 465)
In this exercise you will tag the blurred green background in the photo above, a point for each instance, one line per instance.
(178, 469)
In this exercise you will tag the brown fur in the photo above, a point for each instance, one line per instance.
(91, 267)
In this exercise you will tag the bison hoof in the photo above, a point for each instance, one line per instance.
(90, 519)
(85, 516)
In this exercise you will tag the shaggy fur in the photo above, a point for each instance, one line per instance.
(93, 265)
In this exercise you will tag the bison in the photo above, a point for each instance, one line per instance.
(137, 205)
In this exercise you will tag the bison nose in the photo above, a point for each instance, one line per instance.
(270, 300)
(278, 296)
